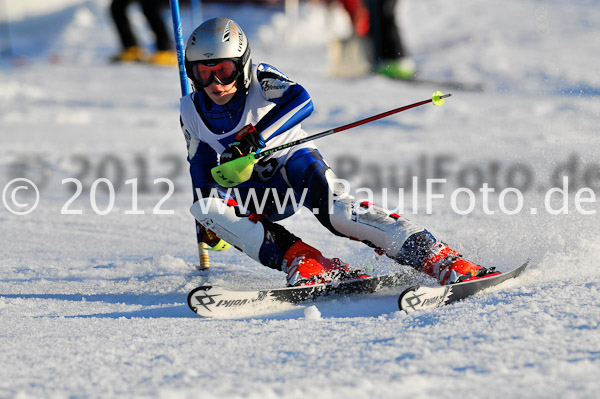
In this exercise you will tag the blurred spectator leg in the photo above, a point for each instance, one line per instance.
(352, 56)
(131, 51)
(391, 57)
(164, 53)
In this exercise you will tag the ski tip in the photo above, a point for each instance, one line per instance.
(401, 302)
(195, 291)
(203, 288)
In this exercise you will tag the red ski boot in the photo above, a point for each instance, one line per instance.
(306, 265)
(449, 267)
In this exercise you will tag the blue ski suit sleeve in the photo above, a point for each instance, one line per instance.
(202, 159)
(292, 102)
(201, 164)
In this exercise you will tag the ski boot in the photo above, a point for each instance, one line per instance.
(449, 266)
(306, 265)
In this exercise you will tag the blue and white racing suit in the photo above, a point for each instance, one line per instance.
(275, 105)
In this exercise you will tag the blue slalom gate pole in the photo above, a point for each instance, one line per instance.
(185, 90)
(179, 46)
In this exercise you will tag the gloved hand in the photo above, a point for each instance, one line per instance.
(208, 236)
(247, 140)
(212, 240)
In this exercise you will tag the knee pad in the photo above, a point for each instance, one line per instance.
(372, 225)
(262, 240)
(216, 215)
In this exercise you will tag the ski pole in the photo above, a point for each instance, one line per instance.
(185, 90)
(239, 170)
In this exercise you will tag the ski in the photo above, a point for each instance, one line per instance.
(422, 297)
(217, 302)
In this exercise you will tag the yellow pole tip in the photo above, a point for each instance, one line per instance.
(437, 99)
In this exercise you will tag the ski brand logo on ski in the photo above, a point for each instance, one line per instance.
(205, 300)
(414, 302)
(241, 302)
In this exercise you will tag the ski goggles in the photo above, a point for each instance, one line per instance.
(223, 72)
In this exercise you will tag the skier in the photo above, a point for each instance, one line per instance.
(238, 108)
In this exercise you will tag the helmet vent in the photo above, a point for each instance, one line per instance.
(227, 32)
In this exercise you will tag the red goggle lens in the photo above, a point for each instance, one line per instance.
(224, 72)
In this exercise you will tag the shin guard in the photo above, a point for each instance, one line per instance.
(372, 225)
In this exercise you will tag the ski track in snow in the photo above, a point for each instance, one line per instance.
(94, 306)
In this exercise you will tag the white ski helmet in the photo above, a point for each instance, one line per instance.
(215, 41)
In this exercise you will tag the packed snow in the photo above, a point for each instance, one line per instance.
(93, 294)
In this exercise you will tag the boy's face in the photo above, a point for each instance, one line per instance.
(221, 94)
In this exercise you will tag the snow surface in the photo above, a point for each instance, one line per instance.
(93, 306)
